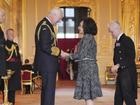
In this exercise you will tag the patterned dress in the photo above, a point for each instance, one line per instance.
(87, 84)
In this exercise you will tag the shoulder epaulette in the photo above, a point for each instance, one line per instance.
(52, 33)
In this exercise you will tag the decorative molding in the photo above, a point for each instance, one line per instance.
(77, 3)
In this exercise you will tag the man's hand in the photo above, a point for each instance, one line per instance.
(115, 68)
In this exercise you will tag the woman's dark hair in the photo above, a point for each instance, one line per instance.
(89, 26)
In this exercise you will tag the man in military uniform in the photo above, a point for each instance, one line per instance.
(2, 47)
(13, 62)
(124, 66)
(46, 55)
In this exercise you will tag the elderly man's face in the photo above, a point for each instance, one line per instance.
(112, 31)
(2, 17)
(10, 35)
(57, 18)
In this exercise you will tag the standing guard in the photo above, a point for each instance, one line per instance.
(13, 62)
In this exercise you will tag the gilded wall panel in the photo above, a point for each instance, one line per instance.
(6, 7)
(13, 16)
(130, 19)
(8, 2)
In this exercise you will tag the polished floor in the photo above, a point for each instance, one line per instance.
(64, 96)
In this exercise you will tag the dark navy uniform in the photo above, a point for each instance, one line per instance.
(13, 62)
(46, 60)
(2, 56)
(126, 83)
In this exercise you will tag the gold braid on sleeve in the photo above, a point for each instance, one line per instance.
(54, 50)
(11, 51)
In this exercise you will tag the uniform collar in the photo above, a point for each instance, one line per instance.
(48, 19)
(119, 36)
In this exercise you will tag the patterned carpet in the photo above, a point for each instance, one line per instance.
(64, 96)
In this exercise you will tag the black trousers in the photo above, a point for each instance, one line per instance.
(11, 96)
(124, 90)
(48, 88)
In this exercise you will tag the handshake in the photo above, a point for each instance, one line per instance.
(64, 54)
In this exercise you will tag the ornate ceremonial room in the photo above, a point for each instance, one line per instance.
(22, 16)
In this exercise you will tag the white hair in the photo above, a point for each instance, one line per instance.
(56, 11)
(115, 25)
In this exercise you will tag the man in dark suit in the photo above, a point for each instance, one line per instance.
(46, 55)
(2, 47)
(13, 62)
(124, 66)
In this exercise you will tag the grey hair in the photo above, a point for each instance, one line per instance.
(115, 25)
(55, 11)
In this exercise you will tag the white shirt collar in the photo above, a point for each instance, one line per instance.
(119, 36)
(48, 19)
